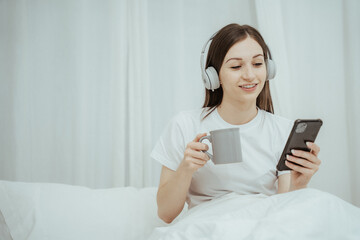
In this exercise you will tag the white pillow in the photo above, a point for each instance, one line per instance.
(58, 211)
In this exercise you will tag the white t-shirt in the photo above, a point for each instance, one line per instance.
(262, 142)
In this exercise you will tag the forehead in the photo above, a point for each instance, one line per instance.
(244, 49)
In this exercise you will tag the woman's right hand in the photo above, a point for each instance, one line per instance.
(194, 158)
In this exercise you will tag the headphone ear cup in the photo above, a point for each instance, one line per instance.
(213, 78)
(270, 69)
(206, 80)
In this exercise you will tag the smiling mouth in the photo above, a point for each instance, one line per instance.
(249, 86)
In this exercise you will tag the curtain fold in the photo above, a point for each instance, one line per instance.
(351, 33)
(139, 93)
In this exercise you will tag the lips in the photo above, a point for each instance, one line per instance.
(249, 85)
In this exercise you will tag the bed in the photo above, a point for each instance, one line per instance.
(59, 211)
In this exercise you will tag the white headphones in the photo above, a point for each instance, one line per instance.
(211, 78)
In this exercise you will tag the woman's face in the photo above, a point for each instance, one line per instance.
(243, 65)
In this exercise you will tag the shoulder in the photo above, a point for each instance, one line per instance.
(279, 129)
(185, 122)
(192, 121)
(189, 116)
(277, 121)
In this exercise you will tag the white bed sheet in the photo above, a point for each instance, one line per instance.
(303, 214)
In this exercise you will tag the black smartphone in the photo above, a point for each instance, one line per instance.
(304, 130)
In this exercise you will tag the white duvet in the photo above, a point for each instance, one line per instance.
(303, 214)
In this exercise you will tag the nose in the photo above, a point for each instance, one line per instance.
(248, 73)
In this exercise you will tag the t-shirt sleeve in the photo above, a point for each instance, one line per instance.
(282, 172)
(169, 149)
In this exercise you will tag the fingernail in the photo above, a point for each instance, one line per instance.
(287, 156)
(308, 144)
(292, 151)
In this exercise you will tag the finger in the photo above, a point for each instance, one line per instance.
(199, 155)
(303, 162)
(198, 146)
(297, 168)
(303, 154)
(197, 161)
(315, 149)
(200, 135)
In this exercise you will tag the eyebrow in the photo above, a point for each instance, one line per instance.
(242, 59)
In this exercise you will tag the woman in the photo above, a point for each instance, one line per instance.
(237, 95)
(240, 200)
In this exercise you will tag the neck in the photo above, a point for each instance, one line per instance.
(237, 113)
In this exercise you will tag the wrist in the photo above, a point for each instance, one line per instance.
(184, 171)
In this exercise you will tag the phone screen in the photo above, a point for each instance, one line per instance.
(304, 130)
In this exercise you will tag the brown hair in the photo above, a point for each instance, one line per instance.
(224, 39)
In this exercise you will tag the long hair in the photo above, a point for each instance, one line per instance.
(220, 45)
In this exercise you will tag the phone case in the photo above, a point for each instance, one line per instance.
(304, 130)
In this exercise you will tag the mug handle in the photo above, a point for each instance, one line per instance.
(208, 137)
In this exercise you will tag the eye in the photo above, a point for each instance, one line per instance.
(235, 67)
(258, 64)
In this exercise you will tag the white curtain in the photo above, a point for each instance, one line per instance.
(75, 92)
(316, 47)
(75, 98)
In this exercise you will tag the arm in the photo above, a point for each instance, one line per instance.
(172, 192)
(174, 185)
(284, 183)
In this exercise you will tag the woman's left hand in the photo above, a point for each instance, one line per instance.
(301, 175)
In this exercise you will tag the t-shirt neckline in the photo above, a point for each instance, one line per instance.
(244, 126)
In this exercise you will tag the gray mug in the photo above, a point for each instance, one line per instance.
(226, 145)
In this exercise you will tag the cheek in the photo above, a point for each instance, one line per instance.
(262, 73)
(226, 76)
(261, 76)
(261, 87)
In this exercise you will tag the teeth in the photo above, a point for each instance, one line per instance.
(248, 86)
